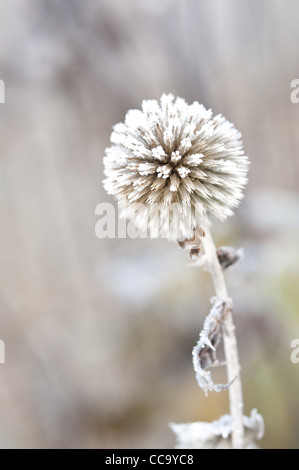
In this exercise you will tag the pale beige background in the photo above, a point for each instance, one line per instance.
(99, 333)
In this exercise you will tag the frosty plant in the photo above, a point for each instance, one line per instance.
(179, 155)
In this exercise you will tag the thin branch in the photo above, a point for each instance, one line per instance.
(230, 344)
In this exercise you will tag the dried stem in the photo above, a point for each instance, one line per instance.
(230, 344)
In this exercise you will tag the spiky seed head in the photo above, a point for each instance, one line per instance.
(171, 164)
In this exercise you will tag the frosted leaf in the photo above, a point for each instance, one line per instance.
(217, 435)
(204, 353)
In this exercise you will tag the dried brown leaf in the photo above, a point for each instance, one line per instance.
(193, 244)
(228, 256)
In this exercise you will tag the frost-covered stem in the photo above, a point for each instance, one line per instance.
(230, 344)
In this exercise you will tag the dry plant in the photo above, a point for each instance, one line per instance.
(173, 167)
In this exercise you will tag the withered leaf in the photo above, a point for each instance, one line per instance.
(217, 435)
(194, 243)
(204, 353)
(228, 256)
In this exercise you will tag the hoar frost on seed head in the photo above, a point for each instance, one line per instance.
(174, 154)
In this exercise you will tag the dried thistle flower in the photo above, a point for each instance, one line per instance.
(171, 155)
(172, 166)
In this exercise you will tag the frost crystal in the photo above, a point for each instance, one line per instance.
(175, 155)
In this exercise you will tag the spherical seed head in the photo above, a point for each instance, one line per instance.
(171, 164)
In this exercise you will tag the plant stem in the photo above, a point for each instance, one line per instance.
(230, 344)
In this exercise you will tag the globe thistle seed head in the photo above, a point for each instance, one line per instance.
(179, 156)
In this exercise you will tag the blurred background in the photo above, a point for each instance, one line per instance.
(99, 333)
